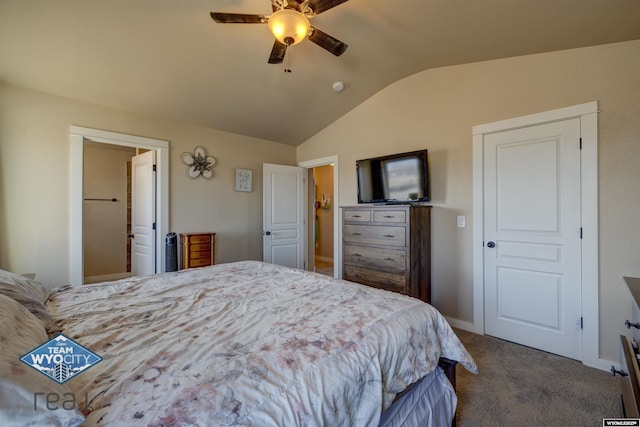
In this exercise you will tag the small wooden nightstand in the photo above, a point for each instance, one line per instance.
(198, 249)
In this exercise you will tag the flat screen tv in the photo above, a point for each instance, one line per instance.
(397, 178)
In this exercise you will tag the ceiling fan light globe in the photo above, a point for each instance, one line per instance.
(288, 24)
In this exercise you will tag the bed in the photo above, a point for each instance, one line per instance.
(237, 344)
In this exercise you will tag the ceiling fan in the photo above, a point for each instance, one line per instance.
(290, 25)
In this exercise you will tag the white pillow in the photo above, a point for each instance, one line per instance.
(21, 332)
(30, 294)
(24, 285)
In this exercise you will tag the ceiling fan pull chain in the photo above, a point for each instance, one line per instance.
(287, 61)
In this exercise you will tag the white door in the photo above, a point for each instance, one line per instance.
(143, 214)
(283, 215)
(532, 247)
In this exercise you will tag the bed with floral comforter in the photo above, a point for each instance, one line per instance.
(248, 344)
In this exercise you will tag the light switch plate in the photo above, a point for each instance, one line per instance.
(461, 221)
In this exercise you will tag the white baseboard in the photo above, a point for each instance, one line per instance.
(460, 324)
(105, 278)
(602, 364)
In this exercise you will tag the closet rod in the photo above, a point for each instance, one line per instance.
(104, 200)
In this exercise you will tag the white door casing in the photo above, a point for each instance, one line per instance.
(532, 236)
(588, 199)
(283, 215)
(77, 136)
(143, 214)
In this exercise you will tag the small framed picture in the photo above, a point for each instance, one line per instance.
(243, 179)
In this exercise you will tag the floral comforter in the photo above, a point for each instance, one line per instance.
(248, 344)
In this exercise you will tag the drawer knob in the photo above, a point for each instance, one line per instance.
(356, 234)
(389, 216)
(356, 254)
(356, 216)
(614, 371)
(389, 235)
(389, 259)
(629, 324)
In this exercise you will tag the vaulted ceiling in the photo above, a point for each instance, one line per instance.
(168, 58)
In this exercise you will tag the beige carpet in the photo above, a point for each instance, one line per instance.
(520, 386)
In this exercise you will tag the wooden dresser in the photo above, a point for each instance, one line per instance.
(198, 249)
(629, 371)
(388, 247)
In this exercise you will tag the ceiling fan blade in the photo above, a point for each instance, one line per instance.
(238, 18)
(319, 6)
(327, 42)
(277, 53)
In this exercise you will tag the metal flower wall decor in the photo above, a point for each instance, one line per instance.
(199, 163)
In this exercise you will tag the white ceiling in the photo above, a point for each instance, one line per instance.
(168, 58)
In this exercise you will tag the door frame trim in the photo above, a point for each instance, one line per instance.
(337, 231)
(77, 136)
(588, 114)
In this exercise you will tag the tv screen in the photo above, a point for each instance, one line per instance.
(397, 178)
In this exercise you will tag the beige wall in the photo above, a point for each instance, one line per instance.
(34, 180)
(436, 109)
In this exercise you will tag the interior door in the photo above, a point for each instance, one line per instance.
(283, 215)
(532, 247)
(143, 214)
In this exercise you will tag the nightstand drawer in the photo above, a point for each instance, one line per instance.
(200, 247)
(199, 238)
(201, 262)
(377, 279)
(376, 258)
(199, 254)
(382, 235)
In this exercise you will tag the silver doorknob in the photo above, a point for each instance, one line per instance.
(268, 233)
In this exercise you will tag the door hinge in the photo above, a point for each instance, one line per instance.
(581, 232)
(154, 168)
(581, 143)
(581, 323)
(153, 226)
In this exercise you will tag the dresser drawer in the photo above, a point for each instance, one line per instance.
(629, 384)
(359, 215)
(376, 258)
(377, 279)
(380, 235)
(390, 216)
